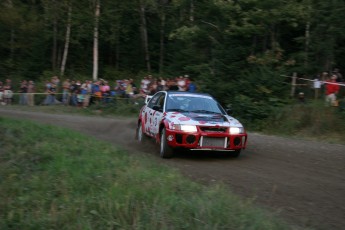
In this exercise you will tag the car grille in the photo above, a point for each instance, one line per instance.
(213, 129)
(213, 142)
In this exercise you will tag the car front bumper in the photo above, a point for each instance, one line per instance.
(206, 140)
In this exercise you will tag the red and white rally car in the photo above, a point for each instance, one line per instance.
(191, 121)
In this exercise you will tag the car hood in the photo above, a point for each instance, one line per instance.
(191, 118)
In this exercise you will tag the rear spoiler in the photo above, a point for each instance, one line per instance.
(147, 99)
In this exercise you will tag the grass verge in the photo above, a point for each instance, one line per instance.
(312, 121)
(54, 178)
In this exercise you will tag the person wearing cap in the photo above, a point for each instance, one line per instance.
(332, 89)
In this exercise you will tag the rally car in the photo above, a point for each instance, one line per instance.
(193, 121)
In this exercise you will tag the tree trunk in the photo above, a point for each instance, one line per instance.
(67, 41)
(273, 38)
(117, 50)
(55, 31)
(162, 47)
(191, 16)
(95, 41)
(307, 41)
(144, 37)
(254, 44)
(9, 4)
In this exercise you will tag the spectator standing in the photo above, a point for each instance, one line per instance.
(131, 81)
(129, 89)
(301, 98)
(74, 89)
(173, 85)
(332, 89)
(167, 84)
(31, 93)
(51, 91)
(56, 81)
(317, 86)
(23, 89)
(119, 89)
(324, 76)
(181, 83)
(150, 79)
(191, 86)
(163, 83)
(47, 85)
(144, 86)
(86, 89)
(153, 87)
(8, 92)
(187, 80)
(134, 87)
(160, 87)
(338, 74)
(1, 93)
(105, 89)
(96, 92)
(66, 94)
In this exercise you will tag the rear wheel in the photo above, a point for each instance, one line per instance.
(165, 150)
(141, 136)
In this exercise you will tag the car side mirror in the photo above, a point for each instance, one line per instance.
(157, 108)
(147, 99)
(229, 111)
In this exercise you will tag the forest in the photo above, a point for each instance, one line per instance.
(239, 50)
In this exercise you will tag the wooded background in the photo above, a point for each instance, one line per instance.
(237, 50)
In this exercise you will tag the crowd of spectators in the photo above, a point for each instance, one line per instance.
(83, 93)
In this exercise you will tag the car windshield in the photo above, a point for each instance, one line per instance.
(193, 103)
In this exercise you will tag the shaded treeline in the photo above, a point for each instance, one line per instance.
(229, 47)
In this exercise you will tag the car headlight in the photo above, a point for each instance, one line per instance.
(185, 128)
(236, 130)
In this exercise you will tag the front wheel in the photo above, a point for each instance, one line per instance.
(236, 153)
(165, 150)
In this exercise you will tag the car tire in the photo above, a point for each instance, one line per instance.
(141, 136)
(165, 150)
(236, 153)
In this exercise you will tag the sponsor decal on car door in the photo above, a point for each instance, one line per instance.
(157, 117)
(149, 121)
(154, 113)
(152, 118)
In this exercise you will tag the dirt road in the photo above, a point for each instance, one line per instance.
(301, 181)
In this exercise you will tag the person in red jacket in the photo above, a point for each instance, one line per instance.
(332, 89)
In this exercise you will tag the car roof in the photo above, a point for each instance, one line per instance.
(186, 93)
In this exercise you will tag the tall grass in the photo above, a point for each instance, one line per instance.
(309, 121)
(54, 178)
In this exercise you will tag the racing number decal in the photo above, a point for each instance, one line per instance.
(156, 121)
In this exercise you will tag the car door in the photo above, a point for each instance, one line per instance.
(154, 113)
